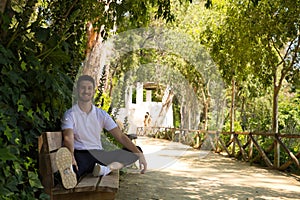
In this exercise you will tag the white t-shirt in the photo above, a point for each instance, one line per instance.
(87, 127)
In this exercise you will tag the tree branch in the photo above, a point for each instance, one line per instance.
(71, 7)
(276, 49)
(289, 68)
(296, 50)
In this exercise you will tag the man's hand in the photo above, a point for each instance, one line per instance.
(143, 163)
(126, 142)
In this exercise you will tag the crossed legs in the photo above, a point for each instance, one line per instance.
(86, 159)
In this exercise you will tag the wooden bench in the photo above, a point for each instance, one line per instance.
(88, 187)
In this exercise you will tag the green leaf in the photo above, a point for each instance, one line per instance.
(23, 66)
(34, 180)
(11, 183)
(6, 155)
(20, 107)
(6, 56)
(47, 115)
(42, 34)
(30, 113)
(8, 132)
(5, 193)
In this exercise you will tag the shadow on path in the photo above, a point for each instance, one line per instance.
(178, 172)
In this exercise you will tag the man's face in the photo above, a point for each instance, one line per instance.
(86, 91)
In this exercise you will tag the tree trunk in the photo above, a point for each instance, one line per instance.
(2, 5)
(232, 115)
(94, 64)
(206, 105)
(205, 111)
(286, 68)
(275, 124)
(182, 112)
(244, 118)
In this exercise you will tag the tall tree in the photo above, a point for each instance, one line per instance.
(193, 20)
(266, 38)
(277, 32)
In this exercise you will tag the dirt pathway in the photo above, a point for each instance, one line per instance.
(177, 172)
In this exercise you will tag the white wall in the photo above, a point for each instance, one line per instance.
(136, 112)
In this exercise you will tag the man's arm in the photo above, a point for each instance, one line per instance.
(68, 135)
(126, 142)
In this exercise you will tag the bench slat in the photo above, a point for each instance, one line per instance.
(109, 183)
(53, 162)
(54, 140)
(87, 183)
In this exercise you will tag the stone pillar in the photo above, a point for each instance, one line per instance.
(148, 95)
(139, 93)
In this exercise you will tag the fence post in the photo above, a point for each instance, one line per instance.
(276, 153)
(250, 148)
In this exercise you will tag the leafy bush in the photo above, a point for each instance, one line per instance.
(32, 101)
(35, 91)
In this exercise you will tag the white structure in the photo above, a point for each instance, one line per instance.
(160, 112)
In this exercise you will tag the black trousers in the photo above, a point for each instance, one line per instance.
(86, 159)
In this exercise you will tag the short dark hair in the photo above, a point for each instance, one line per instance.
(85, 78)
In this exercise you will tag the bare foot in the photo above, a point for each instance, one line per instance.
(115, 166)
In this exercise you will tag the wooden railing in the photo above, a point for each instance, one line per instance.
(242, 145)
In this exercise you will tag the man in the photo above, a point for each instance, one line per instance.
(147, 123)
(149, 119)
(81, 126)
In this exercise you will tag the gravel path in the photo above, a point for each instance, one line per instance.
(178, 172)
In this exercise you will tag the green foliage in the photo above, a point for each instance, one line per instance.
(176, 113)
(32, 102)
(35, 86)
(237, 127)
(289, 109)
(102, 98)
(256, 117)
(105, 101)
